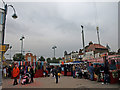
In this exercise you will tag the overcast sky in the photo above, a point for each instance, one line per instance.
(45, 24)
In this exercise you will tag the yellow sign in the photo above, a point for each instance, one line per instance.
(2, 48)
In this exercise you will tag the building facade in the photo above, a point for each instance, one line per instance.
(29, 57)
(95, 51)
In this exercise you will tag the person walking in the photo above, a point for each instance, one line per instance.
(97, 72)
(48, 68)
(65, 70)
(9, 71)
(32, 74)
(91, 70)
(5, 72)
(80, 72)
(73, 71)
(53, 71)
(106, 73)
(21, 73)
(56, 74)
(16, 72)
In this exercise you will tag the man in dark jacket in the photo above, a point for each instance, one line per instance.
(48, 68)
(56, 74)
(9, 71)
(106, 73)
(32, 74)
(65, 70)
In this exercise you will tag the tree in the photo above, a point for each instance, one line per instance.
(53, 58)
(41, 58)
(59, 58)
(119, 51)
(48, 60)
(18, 57)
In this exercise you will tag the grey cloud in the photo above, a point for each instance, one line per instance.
(48, 24)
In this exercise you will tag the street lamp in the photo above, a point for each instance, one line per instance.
(54, 49)
(4, 19)
(22, 44)
(83, 40)
(10, 51)
(3, 14)
(98, 34)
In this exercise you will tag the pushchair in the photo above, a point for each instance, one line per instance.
(26, 79)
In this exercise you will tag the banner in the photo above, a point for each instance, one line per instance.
(19, 63)
(1, 16)
(24, 63)
(36, 63)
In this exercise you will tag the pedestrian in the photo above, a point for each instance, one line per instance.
(91, 70)
(73, 71)
(48, 68)
(9, 71)
(53, 71)
(97, 72)
(5, 72)
(32, 74)
(16, 72)
(106, 73)
(56, 74)
(21, 73)
(85, 73)
(59, 71)
(80, 72)
(65, 70)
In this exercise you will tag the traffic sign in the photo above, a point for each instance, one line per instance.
(2, 48)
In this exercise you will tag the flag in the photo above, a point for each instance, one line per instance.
(21, 63)
(24, 63)
(30, 63)
(36, 63)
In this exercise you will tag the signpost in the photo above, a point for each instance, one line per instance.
(1, 48)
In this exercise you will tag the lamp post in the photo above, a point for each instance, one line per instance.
(3, 21)
(54, 49)
(98, 34)
(22, 38)
(83, 40)
(4, 18)
(10, 52)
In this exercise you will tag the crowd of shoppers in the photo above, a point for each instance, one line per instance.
(81, 70)
(89, 71)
